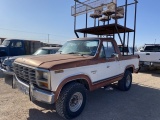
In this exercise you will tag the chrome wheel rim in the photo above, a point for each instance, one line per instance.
(128, 81)
(76, 101)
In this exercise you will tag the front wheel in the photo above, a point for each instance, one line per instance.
(71, 101)
(125, 83)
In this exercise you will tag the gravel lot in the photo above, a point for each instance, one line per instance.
(142, 102)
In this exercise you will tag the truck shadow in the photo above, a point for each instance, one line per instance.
(153, 72)
(140, 103)
(1, 74)
(8, 79)
(35, 114)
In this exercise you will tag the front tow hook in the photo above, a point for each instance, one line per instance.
(31, 87)
(14, 86)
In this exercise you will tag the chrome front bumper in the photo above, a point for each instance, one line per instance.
(33, 92)
(6, 72)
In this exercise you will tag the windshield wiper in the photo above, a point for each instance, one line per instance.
(59, 52)
(75, 53)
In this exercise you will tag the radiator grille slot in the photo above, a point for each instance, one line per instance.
(25, 73)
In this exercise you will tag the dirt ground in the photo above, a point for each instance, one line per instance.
(141, 102)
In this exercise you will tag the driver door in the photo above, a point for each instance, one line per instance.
(109, 66)
(112, 65)
(16, 48)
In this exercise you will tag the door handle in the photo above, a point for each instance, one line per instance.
(147, 53)
(94, 72)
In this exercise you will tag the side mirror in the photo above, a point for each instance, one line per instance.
(115, 55)
(141, 49)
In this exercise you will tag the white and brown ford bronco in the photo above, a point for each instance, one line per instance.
(81, 64)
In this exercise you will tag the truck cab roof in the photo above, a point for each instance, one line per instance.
(19, 40)
(152, 45)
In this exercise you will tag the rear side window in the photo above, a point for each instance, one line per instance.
(18, 44)
(109, 49)
(152, 49)
(125, 49)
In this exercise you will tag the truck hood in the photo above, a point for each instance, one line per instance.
(15, 57)
(9, 60)
(2, 46)
(2, 49)
(49, 61)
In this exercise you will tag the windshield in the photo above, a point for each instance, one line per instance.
(6, 42)
(81, 47)
(41, 52)
(152, 49)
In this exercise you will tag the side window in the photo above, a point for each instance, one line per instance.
(102, 53)
(16, 44)
(109, 49)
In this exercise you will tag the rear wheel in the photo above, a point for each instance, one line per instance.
(125, 83)
(71, 101)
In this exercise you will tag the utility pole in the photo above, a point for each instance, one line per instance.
(155, 41)
(48, 38)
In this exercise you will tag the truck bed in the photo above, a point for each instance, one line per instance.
(149, 56)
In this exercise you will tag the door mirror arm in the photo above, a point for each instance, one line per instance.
(115, 55)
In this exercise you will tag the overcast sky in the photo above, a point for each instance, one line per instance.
(35, 19)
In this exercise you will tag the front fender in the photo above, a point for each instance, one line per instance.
(71, 79)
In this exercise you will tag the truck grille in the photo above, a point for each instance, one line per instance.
(25, 74)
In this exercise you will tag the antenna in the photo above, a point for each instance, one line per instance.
(155, 41)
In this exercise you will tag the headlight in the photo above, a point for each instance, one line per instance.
(43, 79)
(45, 75)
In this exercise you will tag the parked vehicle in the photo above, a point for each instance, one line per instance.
(150, 55)
(82, 64)
(15, 47)
(7, 68)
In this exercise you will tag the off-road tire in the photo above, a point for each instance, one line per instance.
(125, 83)
(63, 102)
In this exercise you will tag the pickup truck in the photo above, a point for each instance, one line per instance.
(150, 55)
(16, 47)
(81, 64)
(7, 67)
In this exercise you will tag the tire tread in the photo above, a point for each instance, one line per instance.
(122, 82)
(60, 104)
